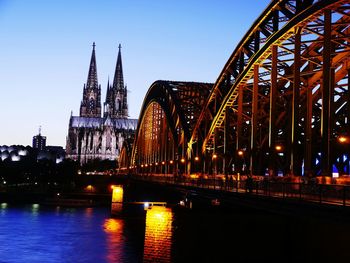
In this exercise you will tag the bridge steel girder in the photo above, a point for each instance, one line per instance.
(168, 115)
(292, 53)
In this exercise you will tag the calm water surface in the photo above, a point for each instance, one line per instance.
(34, 233)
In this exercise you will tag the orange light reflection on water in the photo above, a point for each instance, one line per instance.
(114, 229)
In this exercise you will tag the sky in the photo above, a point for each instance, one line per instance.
(46, 46)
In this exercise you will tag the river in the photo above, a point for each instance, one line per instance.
(34, 233)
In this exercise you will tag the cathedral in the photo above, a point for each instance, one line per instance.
(93, 135)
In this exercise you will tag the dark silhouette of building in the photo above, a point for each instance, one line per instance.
(39, 141)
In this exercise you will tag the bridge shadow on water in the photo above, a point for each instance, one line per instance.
(251, 236)
(238, 233)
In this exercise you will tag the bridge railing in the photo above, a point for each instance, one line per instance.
(313, 192)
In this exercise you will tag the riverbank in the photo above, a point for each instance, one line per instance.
(56, 199)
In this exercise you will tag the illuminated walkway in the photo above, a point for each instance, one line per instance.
(338, 195)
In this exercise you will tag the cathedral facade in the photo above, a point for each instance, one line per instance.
(97, 134)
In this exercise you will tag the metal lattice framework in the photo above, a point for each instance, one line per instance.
(168, 115)
(280, 105)
(282, 98)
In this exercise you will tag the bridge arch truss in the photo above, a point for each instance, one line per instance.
(281, 104)
(166, 121)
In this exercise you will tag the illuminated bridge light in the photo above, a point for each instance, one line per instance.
(117, 199)
(278, 148)
(117, 194)
(343, 139)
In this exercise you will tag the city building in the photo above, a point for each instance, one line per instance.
(39, 141)
(95, 134)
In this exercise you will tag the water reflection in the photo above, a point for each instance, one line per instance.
(158, 234)
(3, 207)
(114, 229)
(35, 209)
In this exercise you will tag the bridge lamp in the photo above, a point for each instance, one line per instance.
(196, 158)
(215, 156)
(141, 165)
(240, 153)
(343, 139)
(146, 205)
(156, 164)
(171, 161)
(163, 163)
(278, 148)
(182, 160)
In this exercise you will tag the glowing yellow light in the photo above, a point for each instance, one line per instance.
(156, 163)
(278, 148)
(196, 158)
(89, 188)
(215, 156)
(182, 160)
(163, 163)
(146, 165)
(158, 234)
(141, 165)
(240, 153)
(343, 139)
(117, 195)
(112, 225)
(171, 162)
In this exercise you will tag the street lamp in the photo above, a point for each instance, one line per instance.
(278, 148)
(196, 160)
(343, 139)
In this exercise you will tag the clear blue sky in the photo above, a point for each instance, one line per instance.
(46, 48)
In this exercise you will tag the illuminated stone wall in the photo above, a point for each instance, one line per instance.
(158, 235)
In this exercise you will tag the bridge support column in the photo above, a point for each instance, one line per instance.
(272, 119)
(239, 126)
(295, 165)
(327, 98)
(254, 121)
(226, 131)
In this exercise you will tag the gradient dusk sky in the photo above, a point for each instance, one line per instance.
(46, 48)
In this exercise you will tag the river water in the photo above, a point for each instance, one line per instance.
(34, 233)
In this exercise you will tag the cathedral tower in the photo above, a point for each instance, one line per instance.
(91, 136)
(116, 105)
(91, 104)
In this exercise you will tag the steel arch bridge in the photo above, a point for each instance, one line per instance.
(281, 104)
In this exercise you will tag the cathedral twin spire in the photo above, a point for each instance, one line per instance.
(115, 105)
